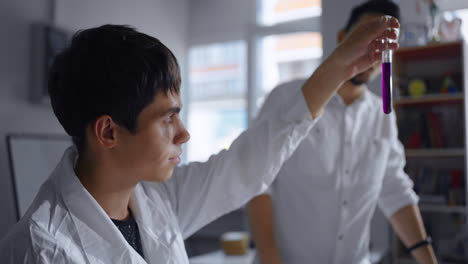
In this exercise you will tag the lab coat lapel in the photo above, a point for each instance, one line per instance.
(99, 237)
(158, 229)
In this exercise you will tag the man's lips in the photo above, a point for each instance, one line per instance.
(175, 159)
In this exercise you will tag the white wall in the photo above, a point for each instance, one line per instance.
(164, 19)
(219, 20)
(334, 19)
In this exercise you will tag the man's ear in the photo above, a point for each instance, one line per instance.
(340, 36)
(104, 130)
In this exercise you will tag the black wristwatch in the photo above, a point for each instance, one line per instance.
(422, 243)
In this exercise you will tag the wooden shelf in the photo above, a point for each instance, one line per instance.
(434, 153)
(432, 64)
(429, 99)
(435, 50)
(442, 208)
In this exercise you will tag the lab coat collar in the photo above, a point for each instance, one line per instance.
(98, 235)
(158, 231)
(99, 238)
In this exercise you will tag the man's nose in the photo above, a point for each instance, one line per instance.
(183, 136)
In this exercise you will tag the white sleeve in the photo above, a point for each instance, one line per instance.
(205, 191)
(397, 188)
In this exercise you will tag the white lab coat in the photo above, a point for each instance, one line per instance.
(66, 225)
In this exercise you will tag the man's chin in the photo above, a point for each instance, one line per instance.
(161, 177)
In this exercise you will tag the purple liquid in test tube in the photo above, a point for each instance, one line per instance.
(387, 81)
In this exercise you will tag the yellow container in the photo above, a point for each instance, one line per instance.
(235, 243)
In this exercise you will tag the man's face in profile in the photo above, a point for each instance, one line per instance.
(154, 150)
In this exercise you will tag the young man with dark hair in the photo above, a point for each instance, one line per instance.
(118, 196)
(319, 208)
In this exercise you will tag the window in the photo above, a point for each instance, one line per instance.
(287, 57)
(278, 11)
(217, 109)
(287, 51)
(225, 94)
(228, 80)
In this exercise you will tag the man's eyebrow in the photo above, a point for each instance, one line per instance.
(175, 109)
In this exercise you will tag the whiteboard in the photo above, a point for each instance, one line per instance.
(32, 159)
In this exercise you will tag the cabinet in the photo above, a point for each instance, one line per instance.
(430, 104)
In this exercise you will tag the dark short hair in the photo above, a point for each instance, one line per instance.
(109, 70)
(385, 7)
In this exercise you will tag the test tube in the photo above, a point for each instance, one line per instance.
(387, 81)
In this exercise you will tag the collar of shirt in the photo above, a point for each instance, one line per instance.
(362, 102)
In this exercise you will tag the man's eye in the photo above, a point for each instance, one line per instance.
(170, 117)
